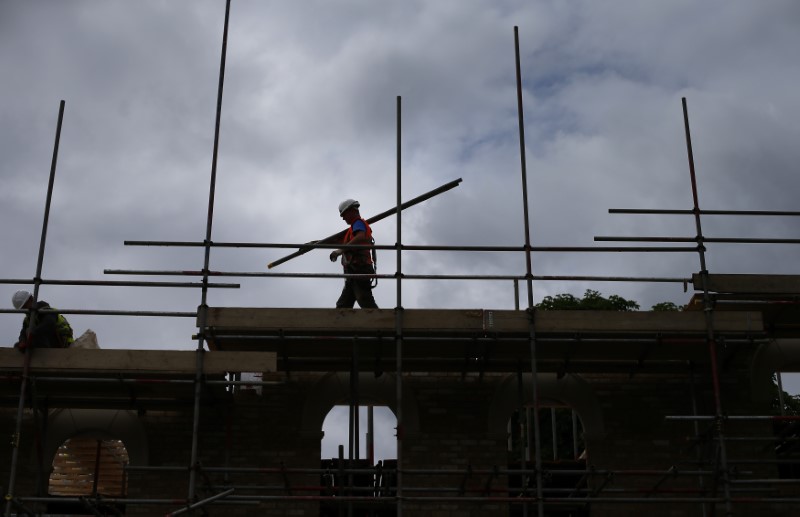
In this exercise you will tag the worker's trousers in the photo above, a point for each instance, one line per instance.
(357, 289)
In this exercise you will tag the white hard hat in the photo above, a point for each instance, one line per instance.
(347, 203)
(19, 298)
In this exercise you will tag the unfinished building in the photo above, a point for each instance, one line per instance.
(669, 413)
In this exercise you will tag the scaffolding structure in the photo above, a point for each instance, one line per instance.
(529, 331)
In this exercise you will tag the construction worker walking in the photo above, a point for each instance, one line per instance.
(355, 261)
(51, 329)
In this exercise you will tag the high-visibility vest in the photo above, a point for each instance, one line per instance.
(357, 256)
(63, 329)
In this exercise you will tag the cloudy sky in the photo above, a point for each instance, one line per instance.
(309, 119)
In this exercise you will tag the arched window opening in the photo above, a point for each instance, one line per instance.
(563, 455)
(786, 428)
(366, 443)
(89, 466)
(375, 446)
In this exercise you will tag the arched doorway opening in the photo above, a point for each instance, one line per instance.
(91, 467)
(73, 434)
(377, 437)
(358, 453)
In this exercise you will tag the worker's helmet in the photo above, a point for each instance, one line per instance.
(348, 203)
(19, 298)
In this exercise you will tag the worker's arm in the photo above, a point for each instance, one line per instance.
(22, 342)
(358, 238)
(45, 326)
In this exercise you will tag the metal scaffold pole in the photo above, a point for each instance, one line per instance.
(202, 311)
(708, 311)
(32, 321)
(399, 322)
(696, 429)
(522, 435)
(529, 281)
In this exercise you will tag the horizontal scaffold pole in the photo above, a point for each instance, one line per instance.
(728, 240)
(106, 312)
(261, 274)
(774, 213)
(22, 281)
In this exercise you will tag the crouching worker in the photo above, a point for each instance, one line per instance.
(51, 330)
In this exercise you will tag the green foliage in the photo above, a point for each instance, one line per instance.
(559, 302)
(592, 300)
(666, 307)
(791, 403)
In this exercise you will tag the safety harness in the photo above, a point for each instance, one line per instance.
(361, 256)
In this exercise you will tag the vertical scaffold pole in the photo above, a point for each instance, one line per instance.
(356, 403)
(351, 410)
(33, 313)
(202, 312)
(522, 434)
(370, 435)
(529, 281)
(353, 443)
(398, 322)
(696, 428)
(708, 311)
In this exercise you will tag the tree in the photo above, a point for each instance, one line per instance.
(666, 307)
(591, 301)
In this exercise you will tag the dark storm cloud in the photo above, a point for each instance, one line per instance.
(309, 118)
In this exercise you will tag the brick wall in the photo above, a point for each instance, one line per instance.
(452, 423)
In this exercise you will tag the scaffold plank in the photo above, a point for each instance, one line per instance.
(755, 284)
(138, 361)
(342, 320)
(465, 321)
(658, 321)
